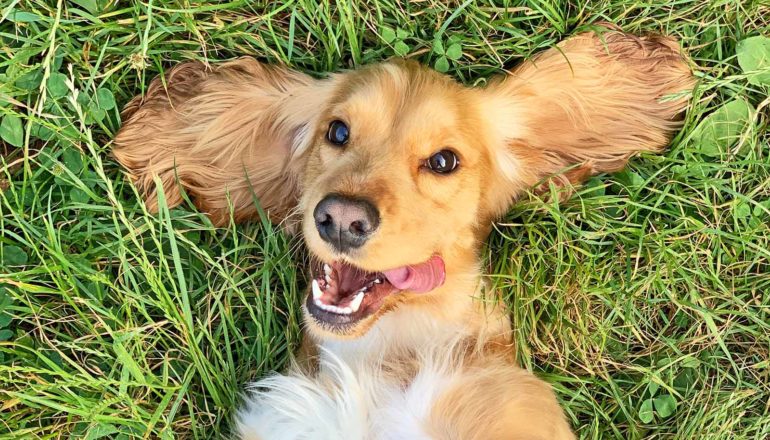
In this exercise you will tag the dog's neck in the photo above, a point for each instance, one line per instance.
(467, 311)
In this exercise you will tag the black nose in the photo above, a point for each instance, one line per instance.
(345, 222)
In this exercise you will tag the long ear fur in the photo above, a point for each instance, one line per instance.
(224, 135)
(589, 104)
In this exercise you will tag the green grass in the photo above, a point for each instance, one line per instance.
(647, 288)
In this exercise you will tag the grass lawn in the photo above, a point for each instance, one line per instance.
(643, 299)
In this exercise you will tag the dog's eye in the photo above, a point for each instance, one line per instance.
(443, 162)
(338, 133)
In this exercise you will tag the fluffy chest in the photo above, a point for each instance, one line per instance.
(351, 401)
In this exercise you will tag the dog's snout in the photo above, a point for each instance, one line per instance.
(345, 222)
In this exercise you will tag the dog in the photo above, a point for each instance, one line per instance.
(394, 175)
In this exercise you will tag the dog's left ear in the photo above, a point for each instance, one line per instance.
(582, 108)
(225, 135)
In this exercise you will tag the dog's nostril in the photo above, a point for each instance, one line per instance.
(327, 221)
(357, 227)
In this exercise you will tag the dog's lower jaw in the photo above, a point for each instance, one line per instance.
(421, 371)
(445, 315)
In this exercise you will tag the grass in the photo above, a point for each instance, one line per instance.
(642, 299)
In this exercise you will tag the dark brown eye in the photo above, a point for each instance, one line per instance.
(443, 162)
(338, 133)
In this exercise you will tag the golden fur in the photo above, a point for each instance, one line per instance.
(244, 131)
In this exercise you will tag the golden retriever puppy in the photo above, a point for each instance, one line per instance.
(393, 174)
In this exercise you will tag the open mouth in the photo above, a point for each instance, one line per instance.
(342, 294)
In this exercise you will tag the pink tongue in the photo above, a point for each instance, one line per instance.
(418, 278)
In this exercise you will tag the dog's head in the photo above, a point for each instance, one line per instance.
(392, 199)
(395, 172)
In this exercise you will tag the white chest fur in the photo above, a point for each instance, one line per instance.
(343, 402)
(350, 397)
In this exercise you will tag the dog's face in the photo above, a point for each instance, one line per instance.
(392, 193)
(397, 171)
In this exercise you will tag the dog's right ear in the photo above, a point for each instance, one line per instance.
(225, 135)
(582, 108)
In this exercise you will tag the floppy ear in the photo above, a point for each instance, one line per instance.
(224, 135)
(583, 107)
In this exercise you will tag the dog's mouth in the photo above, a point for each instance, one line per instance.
(342, 294)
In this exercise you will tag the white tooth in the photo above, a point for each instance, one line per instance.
(334, 309)
(377, 281)
(317, 293)
(328, 280)
(356, 303)
(327, 270)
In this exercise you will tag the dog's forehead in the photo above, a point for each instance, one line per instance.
(401, 99)
(391, 86)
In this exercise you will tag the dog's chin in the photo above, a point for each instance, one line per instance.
(344, 299)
